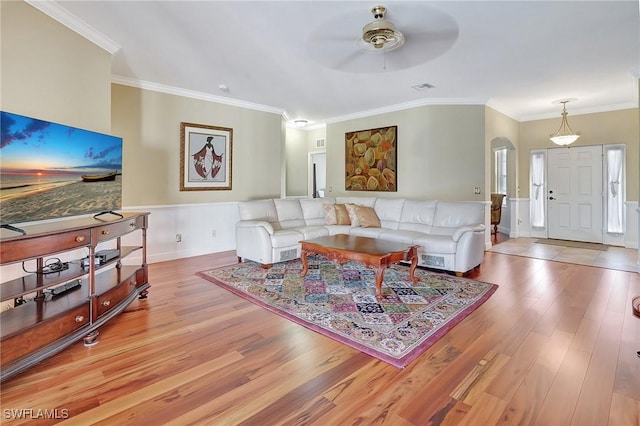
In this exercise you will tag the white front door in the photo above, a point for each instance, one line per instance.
(574, 193)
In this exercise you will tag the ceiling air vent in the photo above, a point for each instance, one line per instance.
(423, 86)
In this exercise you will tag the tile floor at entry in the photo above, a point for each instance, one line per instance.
(619, 258)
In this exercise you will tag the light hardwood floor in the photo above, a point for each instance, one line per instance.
(555, 345)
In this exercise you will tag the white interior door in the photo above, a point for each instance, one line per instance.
(574, 193)
(320, 161)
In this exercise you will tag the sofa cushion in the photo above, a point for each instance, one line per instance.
(311, 232)
(367, 217)
(417, 216)
(459, 232)
(417, 211)
(400, 236)
(264, 210)
(312, 210)
(330, 215)
(389, 211)
(353, 217)
(289, 213)
(336, 214)
(366, 232)
(451, 215)
(338, 229)
(437, 244)
(342, 217)
(285, 238)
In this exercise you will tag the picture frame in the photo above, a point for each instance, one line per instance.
(371, 160)
(205, 157)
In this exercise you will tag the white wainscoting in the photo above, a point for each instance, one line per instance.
(196, 223)
(505, 219)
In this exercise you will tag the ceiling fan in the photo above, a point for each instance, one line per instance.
(422, 34)
(381, 34)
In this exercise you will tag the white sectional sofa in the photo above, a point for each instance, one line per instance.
(451, 235)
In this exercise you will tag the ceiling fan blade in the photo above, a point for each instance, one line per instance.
(338, 43)
(349, 60)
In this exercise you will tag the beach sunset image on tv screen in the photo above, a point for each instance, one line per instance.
(49, 170)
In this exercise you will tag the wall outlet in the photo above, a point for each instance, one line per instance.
(213, 233)
(476, 190)
(178, 238)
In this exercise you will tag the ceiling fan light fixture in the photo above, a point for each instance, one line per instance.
(565, 135)
(381, 34)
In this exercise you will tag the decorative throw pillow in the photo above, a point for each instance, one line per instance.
(330, 214)
(342, 217)
(353, 217)
(367, 217)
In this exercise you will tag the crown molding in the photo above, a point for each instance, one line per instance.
(580, 111)
(69, 20)
(406, 105)
(155, 87)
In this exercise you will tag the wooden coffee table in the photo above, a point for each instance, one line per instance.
(374, 253)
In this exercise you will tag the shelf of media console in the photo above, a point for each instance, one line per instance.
(37, 311)
(19, 287)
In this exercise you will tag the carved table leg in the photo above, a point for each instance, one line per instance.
(412, 269)
(305, 263)
(379, 278)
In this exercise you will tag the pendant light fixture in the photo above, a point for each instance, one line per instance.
(565, 135)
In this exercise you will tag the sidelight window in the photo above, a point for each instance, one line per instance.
(537, 191)
(615, 188)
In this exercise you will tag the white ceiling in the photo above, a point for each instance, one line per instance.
(302, 58)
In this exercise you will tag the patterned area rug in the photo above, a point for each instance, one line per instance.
(339, 301)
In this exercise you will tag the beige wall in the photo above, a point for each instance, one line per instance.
(149, 123)
(501, 132)
(441, 151)
(299, 144)
(297, 158)
(312, 135)
(614, 127)
(50, 72)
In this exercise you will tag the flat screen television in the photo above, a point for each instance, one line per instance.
(50, 170)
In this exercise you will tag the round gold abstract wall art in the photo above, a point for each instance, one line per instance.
(370, 160)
